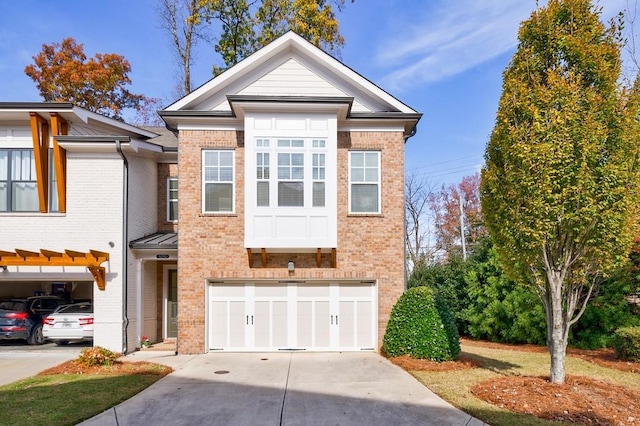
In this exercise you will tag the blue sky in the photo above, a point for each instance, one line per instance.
(443, 58)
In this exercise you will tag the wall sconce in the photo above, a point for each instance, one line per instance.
(290, 266)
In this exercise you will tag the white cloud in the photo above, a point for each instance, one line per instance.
(452, 37)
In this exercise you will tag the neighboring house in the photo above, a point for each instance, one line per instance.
(288, 188)
(75, 189)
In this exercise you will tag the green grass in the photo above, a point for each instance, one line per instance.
(67, 399)
(454, 386)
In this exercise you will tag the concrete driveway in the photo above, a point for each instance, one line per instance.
(282, 389)
(19, 361)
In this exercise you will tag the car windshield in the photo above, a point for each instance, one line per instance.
(12, 305)
(78, 308)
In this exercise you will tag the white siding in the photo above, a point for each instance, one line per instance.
(292, 78)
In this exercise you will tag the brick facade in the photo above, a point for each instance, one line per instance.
(212, 246)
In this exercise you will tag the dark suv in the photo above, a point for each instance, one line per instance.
(21, 318)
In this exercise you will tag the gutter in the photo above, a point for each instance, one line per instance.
(125, 246)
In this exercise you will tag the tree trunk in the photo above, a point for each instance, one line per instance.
(557, 328)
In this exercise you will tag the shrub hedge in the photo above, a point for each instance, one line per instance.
(627, 343)
(422, 326)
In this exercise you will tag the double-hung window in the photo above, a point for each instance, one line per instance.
(262, 172)
(364, 182)
(172, 199)
(318, 157)
(18, 182)
(218, 181)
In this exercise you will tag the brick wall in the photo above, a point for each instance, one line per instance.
(212, 246)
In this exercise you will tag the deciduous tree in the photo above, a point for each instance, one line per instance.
(560, 185)
(180, 19)
(248, 25)
(445, 205)
(63, 73)
(418, 223)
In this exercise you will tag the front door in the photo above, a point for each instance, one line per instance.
(172, 304)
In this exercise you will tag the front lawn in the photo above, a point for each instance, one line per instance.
(68, 394)
(515, 381)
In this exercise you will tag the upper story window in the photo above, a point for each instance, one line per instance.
(218, 181)
(18, 183)
(364, 182)
(172, 199)
(300, 169)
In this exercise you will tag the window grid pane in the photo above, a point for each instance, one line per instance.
(365, 182)
(218, 176)
(318, 173)
(172, 215)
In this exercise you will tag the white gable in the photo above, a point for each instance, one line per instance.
(290, 66)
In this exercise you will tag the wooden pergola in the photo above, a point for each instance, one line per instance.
(91, 260)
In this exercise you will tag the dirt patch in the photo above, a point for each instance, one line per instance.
(579, 400)
(118, 368)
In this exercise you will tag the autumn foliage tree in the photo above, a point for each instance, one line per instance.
(246, 26)
(445, 205)
(63, 73)
(560, 186)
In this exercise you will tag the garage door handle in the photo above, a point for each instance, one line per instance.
(248, 319)
(336, 320)
(331, 319)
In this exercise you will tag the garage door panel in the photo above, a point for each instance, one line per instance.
(279, 327)
(262, 324)
(311, 316)
(346, 325)
(364, 324)
(237, 321)
(322, 325)
(219, 324)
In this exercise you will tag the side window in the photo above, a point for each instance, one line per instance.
(364, 182)
(18, 183)
(218, 171)
(172, 199)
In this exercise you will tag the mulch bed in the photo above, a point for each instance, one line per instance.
(580, 400)
(118, 368)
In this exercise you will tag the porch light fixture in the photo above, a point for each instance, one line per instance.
(290, 266)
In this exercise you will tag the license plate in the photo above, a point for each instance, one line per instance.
(66, 325)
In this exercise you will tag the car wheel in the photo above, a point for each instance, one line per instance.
(61, 342)
(36, 338)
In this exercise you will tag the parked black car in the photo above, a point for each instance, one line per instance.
(21, 318)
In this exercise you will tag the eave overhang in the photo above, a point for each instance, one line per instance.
(240, 104)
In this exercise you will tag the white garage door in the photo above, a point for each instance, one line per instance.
(285, 316)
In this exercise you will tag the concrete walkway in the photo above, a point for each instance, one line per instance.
(281, 389)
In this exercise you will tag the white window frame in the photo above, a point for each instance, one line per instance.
(274, 146)
(232, 182)
(378, 182)
(171, 200)
(27, 171)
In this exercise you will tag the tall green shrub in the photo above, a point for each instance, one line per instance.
(447, 279)
(422, 326)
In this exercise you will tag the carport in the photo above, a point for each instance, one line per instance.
(48, 272)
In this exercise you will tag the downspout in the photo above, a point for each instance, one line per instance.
(406, 278)
(125, 245)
